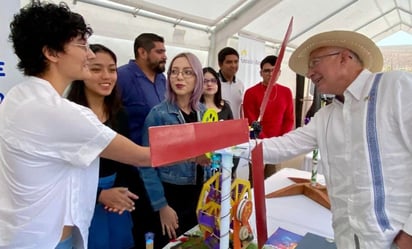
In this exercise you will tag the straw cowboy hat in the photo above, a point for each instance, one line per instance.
(364, 47)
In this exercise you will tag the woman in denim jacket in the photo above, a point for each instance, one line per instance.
(174, 190)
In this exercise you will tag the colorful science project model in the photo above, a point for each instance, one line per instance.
(209, 209)
(212, 207)
(171, 143)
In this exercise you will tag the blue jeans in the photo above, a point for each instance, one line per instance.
(66, 244)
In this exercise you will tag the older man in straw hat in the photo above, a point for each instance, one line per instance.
(364, 137)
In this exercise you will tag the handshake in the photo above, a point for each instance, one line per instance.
(241, 150)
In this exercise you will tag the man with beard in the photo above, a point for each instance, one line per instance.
(142, 85)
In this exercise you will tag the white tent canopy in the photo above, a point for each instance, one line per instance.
(207, 26)
(262, 19)
(204, 27)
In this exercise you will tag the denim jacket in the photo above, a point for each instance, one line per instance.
(182, 173)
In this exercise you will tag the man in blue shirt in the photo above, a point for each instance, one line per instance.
(142, 82)
(142, 85)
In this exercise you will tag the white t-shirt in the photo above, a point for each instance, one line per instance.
(49, 150)
(233, 92)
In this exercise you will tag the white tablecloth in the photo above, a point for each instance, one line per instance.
(298, 213)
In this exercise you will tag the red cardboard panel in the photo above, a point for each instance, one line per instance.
(172, 143)
(259, 194)
(276, 70)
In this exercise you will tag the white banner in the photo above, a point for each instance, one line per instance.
(251, 53)
(9, 75)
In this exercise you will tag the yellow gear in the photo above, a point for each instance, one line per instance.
(210, 115)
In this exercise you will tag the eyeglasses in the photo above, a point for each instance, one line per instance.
(315, 61)
(86, 46)
(267, 70)
(187, 73)
(213, 81)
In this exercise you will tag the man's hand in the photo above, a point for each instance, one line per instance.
(117, 199)
(403, 240)
(169, 221)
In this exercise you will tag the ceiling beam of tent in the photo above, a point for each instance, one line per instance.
(235, 22)
(399, 24)
(409, 13)
(164, 14)
(249, 12)
(261, 37)
(407, 25)
(144, 13)
(163, 11)
(386, 30)
(404, 10)
(160, 10)
(403, 23)
(173, 13)
(323, 20)
(233, 9)
(381, 15)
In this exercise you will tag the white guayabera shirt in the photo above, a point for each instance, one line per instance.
(369, 204)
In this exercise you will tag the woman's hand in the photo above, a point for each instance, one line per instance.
(169, 221)
(117, 199)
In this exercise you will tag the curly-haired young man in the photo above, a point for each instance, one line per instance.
(49, 146)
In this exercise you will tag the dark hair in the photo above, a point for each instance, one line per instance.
(271, 59)
(146, 41)
(198, 90)
(221, 56)
(112, 102)
(217, 98)
(43, 25)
